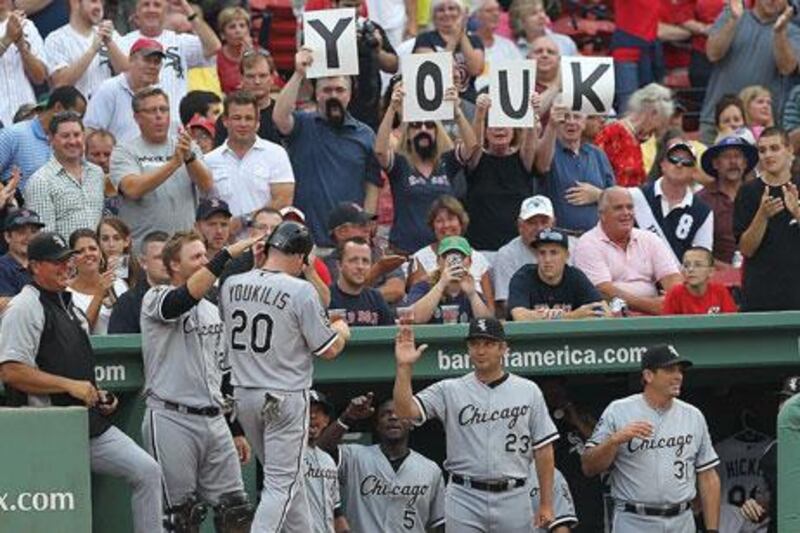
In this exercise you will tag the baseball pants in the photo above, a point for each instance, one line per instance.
(115, 454)
(469, 510)
(196, 454)
(625, 522)
(276, 425)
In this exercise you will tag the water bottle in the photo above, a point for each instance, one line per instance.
(737, 260)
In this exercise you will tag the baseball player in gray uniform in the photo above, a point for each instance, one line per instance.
(658, 451)
(322, 476)
(563, 506)
(184, 428)
(496, 423)
(275, 327)
(386, 487)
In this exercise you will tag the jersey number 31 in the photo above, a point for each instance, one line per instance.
(260, 329)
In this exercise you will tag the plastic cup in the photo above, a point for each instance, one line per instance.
(337, 314)
(450, 314)
(405, 315)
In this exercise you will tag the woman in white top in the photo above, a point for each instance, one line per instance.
(448, 218)
(116, 246)
(94, 289)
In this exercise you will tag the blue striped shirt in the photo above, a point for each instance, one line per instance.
(24, 145)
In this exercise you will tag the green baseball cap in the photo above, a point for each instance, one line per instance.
(455, 244)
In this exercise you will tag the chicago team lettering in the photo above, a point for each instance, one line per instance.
(472, 414)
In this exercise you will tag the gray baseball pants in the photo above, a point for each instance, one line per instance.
(468, 510)
(625, 522)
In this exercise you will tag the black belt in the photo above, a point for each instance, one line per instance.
(209, 411)
(666, 511)
(488, 486)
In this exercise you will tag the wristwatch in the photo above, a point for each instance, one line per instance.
(192, 157)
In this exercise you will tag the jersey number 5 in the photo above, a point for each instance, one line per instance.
(409, 520)
(260, 332)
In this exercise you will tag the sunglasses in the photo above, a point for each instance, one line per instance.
(681, 161)
(256, 52)
(428, 124)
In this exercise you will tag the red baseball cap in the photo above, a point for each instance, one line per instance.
(148, 47)
(202, 122)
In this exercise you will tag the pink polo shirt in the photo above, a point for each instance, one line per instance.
(635, 269)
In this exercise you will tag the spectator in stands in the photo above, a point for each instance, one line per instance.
(116, 244)
(111, 107)
(499, 177)
(496, 47)
(249, 172)
(765, 222)
(19, 228)
(757, 102)
(423, 168)
(26, 145)
(448, 218)
(361, 304)
(257, 75)
(573, 172)
(158, 176)
(698, 295)
(648, 111)
(10, 198)
(53, 348)
(85, 52)
(624, 261)
(705, 13)
(728, 116)
(397, 17)
(667, 206)
(213, 223)
(233, 24)
(23, 60)
(450, 34)
(67, 191)
(529, 21)
(728, 162)
(95, 287)
(548, 64)
(99, 145)
(126, 313)
(204, 103)
(677, 28)
(451, 285)
(331, 152)
(593, 124)
(347, 221)
(202, 131)
(790, 118)
(264, 221)
(184, 50)
(551, 289)
(750, 44)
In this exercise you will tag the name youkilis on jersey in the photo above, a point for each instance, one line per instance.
(375, 486)
(472, 414)
(258, 293)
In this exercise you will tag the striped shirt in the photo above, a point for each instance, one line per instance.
(63, 203)
(66, 46)
(24, 145)
(14, 84)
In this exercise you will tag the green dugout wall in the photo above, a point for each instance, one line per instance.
(602, 356)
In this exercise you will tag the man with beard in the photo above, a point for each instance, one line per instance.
(766, 224)
(85, 52)
(331, 152)
(387, 486)
(729, 161)
(322, 477)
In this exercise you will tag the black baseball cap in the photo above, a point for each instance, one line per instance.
(49, 246)
(486, 328)
(212, 206)
(17, 218)
(551, 236)
(348, 213)
(791, 386)
(662, 356)
(320, 399)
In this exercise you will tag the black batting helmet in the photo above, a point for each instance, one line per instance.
(291, 238)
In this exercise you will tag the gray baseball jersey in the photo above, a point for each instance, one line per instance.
(660, 470)
(322, 489)
(491, 429)
(376, 498)
(183, 357)
(563, 506)
(275, 325)
(740, 472)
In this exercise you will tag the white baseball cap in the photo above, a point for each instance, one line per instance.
(536, 205)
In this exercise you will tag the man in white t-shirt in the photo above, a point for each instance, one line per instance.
(497, 47)
(249, 172)
(85, 52)
(182, 50)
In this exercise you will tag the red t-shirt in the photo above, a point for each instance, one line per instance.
(624, 154)
(638, 18)
(716, 300)
(314, 5)
(228, 71)
(322, 271)
(676, 12)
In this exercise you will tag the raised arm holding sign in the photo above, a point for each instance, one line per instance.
(426, 78)
(331, 35)
(588, 84)
(510, 86)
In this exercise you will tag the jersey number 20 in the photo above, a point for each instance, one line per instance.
(260, 332)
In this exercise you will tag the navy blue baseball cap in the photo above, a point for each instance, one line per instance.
(662, 356)
(320, 399)
(17, 218)
(49, 246)
(486, 328)
(551, 236)
(749, 151)
(212, 206)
